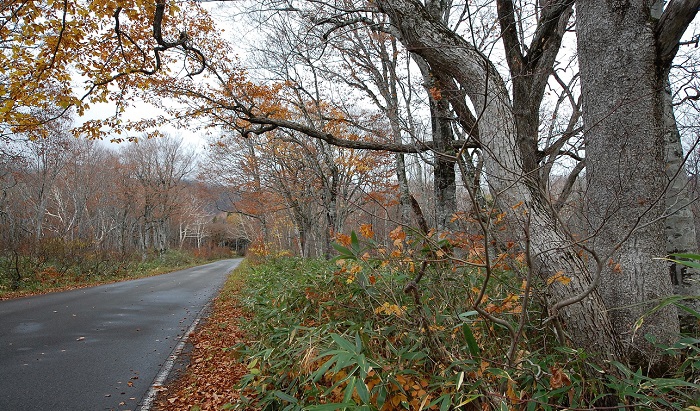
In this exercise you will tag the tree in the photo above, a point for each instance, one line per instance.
(508, 135)
(625, 114)
(495, 109)
(46, 157)
(282, 176)
(115, 52)
(159, 167)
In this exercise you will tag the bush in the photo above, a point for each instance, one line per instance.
(54, 264)
(345, 335)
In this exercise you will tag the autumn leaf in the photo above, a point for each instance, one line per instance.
(560, 278)
(390, 309)
(558, 379)
(343, 239)
(512, 395)
(398, 235)
(366, 231)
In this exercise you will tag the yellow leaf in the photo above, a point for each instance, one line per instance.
(366, 230)
(560, 278)
(7, 106)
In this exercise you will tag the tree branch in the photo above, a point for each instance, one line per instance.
(418, 147)
(673, 22)
(509, 34)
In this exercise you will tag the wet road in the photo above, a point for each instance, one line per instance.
(98, 348)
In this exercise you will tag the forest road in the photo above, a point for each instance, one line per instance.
(99, 348)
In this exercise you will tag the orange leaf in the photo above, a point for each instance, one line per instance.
(366, 230)
(558, 378)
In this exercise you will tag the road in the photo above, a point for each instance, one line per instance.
(98, 348)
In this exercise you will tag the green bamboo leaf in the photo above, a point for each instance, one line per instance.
(318, 374)
(349, 389)
(285, 397)
(343, 343)
(471, 341)
(413, 355)
(689, 310)
(342, 361)
(465, 315)
(358, 343)
(381, 397)
(446, 403)
(354, 242)
(362, 391)
(345, 253)
(691, 256)
(363, 365)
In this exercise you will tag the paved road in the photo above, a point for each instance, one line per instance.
(98, 348)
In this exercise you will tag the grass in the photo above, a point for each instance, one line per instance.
(58, 268)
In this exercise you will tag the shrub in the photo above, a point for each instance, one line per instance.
(360, 333)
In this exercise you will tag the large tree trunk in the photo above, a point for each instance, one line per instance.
(444, 181)
(625, 167)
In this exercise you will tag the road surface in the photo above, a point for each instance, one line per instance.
(98, 348)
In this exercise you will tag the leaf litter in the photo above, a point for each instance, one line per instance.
(213, 371)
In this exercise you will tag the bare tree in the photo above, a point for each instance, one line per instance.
(159, 165)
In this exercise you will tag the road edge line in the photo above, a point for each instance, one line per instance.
(147, 400)
(167, 367)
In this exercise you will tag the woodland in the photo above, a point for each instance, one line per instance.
(488, 204)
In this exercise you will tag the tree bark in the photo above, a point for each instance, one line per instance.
(625, 168)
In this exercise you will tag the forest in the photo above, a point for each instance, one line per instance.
(488, 204)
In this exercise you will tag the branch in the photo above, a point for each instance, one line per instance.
(182, 40)
(418, 147)
(566, 191)
(509, 34)
(547, 28)
(673, 22)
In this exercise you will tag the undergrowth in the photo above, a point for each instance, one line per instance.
(55, 265)
(345, 335)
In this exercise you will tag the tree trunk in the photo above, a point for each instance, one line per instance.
(625, 168)
(444, 180)
(530, 217)
(679, 221)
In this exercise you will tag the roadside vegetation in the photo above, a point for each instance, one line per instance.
(54, 265)
(343, 335)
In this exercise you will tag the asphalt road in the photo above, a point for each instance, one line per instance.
(98, 348)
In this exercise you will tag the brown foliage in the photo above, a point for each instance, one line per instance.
(213, 371)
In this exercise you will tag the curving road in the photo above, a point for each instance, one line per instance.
(99, 348)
